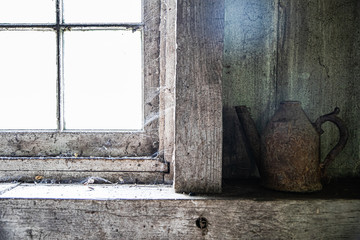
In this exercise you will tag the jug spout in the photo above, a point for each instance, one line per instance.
(252, 137)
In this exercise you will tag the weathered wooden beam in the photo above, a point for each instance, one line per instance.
(80, 177)
(83, 164)
(198, 112)
(133, 212)
(114, 170)
(167, 84)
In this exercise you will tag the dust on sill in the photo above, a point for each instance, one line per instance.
(90, 192)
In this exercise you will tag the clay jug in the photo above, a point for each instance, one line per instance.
(290, 149)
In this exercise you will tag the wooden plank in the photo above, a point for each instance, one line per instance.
(198, 112)
(106, 170)
(91, 191)
(85, 144)
(167, 84)
(177, 219)
(40, 176)
(83, 164)
(151, 69)
(318, 64)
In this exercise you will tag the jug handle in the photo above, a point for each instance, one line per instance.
(344, 135)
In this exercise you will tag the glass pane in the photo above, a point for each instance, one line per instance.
(28, 80)
(102, 11)
(103, 80)
(27, 11)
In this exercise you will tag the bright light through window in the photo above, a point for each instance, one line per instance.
(83, 72)
(102, 78)
(27, 80)
(27, 11)
(102, 11)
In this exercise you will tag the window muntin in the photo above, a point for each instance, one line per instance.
(62, 142)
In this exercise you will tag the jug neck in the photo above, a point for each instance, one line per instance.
(291, 111)
(291, 108)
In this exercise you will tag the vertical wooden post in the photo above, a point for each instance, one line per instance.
(198, 111)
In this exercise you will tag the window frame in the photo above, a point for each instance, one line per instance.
(190, 108)
(26, 153)
(69, 143)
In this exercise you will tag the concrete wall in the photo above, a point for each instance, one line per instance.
(305, 50)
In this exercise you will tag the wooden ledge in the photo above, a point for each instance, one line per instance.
(244, 211)
(234, 190)
(90, 192)
(348, 188)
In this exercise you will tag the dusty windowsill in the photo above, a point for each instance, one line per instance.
(245, 210)
(90, 192)
(245, 190)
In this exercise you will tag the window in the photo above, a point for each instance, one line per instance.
(79, 87)
(83, 61)
(182, 66)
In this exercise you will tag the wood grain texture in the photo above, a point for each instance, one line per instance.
(167, 84)
(54, 170)
(151, 67)
(198, 115)
(83, 164)
(176, 219)
(85, 144)
(55, 177)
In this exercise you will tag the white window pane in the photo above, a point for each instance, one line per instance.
(27, 11)
(102, 11)
(28, 80)
(103, 80)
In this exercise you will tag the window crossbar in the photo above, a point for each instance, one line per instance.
(69, 26)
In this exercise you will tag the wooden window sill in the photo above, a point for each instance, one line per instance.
(90, 192)
(129, 170)
(243, 211)
(238, 190)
